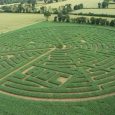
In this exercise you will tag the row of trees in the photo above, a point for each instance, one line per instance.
(14, 1)
(64, 9)
(24, 1)
(84, 20)
(50, 1)
(29, 6)
(62, 18)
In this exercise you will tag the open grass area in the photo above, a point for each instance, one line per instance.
(57, 69)
(9, 21)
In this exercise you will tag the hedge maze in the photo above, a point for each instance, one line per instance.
(58, 62)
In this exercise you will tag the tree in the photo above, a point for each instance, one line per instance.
(32, 4)
(60, 15)
(99, 5)
(47, 14)
(105, 4)
(112, 23)
(55, 19)
(92, 20)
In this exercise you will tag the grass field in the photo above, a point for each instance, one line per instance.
(57, 69)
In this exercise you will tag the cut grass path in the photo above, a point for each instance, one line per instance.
(58, 100)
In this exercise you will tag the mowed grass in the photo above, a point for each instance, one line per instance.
(34, 66)
(14, 106)
(12, 21)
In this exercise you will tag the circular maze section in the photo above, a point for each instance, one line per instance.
(58, 62)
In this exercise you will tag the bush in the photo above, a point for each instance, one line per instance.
(112, 23)
(47, 14)
(7, 9)
(79, 6)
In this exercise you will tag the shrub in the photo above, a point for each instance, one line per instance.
(112, 23)
(79, 6)
(47, 14)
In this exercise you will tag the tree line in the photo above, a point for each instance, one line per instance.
(24, 6)
(24, 1)
(84, 20)
(2, 2)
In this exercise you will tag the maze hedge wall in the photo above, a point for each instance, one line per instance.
(58, 61)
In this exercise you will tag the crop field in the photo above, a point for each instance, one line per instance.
(86, 3)
(14, 21)
(57, 62)
(112, 6)
(96, 11)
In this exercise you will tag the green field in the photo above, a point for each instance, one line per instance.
(57, 69)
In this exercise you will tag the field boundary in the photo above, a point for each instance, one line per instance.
(1, 33)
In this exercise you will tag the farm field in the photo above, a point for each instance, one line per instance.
(13, 21)
(86, 3)
(96, 11)
(111, 6)
(16, 21)
(49, 68)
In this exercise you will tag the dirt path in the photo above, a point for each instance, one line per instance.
(59, 100)
(46, 53)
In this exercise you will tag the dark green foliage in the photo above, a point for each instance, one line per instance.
(47, 14)
(84, 20)
(112, 23)
(12, 1)
(103, 4)
(79, 6)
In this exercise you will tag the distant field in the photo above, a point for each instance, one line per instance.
(96, 11)
(112, 6)
(86, 3)
(10, 22)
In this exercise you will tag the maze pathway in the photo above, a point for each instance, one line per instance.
(58, 63)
